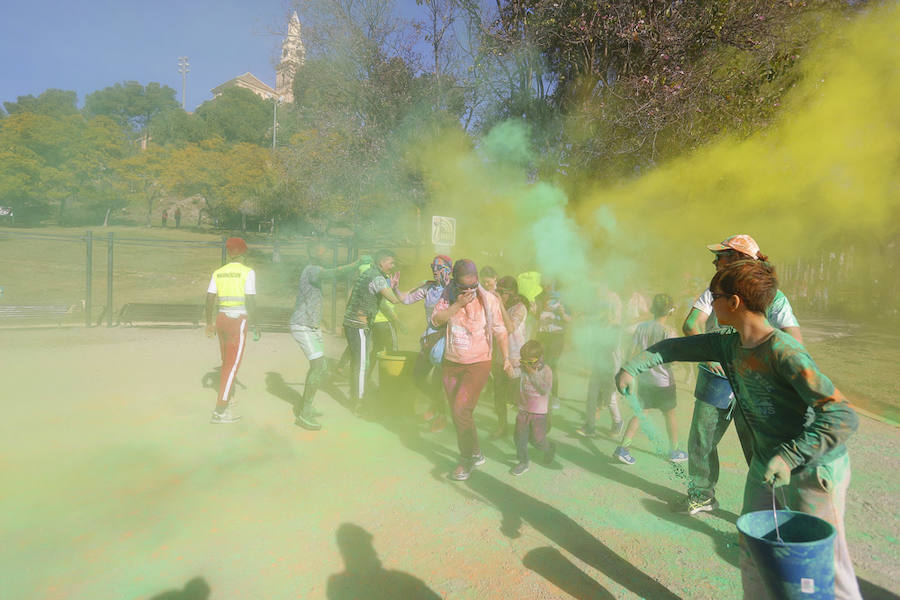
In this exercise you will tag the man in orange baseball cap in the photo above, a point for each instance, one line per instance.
(714, 406)
(742, 244)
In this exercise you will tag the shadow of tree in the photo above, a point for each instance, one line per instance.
(363, 575)
(195, 589)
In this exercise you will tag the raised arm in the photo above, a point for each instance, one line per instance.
(696, 348)
(339, 272)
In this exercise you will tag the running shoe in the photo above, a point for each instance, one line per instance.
(462, 471)
(226, 416)
(677, 456)
(307, 422)
(624, 455)
(478, 460)
(692, 504)
(519, 469)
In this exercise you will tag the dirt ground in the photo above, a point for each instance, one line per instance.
(116, 486)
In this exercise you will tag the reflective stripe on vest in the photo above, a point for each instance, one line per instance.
(230, 284)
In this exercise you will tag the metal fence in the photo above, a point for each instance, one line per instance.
(93, 275)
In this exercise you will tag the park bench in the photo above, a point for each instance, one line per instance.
(172, 314)
(269, 318)
(34, 314)
(275, 319)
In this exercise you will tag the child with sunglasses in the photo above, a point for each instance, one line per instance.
(535, 386)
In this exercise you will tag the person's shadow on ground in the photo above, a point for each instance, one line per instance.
(364, 578)
(517, 507)
(550, 564)
(278, 387)
(726, 544)
(195, 589)
(212, 380)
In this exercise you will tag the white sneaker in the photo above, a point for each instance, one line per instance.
(225, 416)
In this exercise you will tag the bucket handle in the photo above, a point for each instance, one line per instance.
(775, 516)
(775, 512)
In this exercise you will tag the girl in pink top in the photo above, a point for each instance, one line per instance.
(473, 323)
(534, 400)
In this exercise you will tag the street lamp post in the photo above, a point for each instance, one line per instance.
(184, 67)
(275, 102)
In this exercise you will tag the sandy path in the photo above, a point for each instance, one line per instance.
(115, 486)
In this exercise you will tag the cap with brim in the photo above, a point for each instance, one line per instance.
(742, 243)
(235, 246)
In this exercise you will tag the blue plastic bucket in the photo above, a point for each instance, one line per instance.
(713, 389)
(801, 566)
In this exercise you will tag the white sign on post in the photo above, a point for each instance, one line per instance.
(443, 231)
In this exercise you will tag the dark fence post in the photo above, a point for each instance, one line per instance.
(110, 244)
(88, 275)
(224, 253)
(334, 283)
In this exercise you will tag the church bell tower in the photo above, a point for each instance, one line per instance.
(293, 56)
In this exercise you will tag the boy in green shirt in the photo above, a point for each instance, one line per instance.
(775, 381)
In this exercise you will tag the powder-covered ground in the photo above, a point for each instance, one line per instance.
(116, 486)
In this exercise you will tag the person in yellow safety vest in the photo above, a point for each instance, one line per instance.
(233, 289)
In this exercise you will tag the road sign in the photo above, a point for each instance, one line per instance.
(443, 231)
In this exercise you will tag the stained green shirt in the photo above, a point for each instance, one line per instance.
(774, 384)
(365, 299)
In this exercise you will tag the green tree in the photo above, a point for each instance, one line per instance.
(142, 175)
(51, 102)
(175, 126)
(59, 160)
(131, 104)
(228, 177)
(238, 116)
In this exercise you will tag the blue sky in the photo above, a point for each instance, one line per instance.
(89, 45)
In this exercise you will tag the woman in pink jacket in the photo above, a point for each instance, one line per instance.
(473, 323)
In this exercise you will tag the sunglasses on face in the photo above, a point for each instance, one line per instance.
(716, 296)
(727, 255)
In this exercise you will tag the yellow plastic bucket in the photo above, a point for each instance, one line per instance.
(391, 364)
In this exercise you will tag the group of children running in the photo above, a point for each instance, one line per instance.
(754, 370)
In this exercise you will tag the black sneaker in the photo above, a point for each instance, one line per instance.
(519, 469)
(307, 422)
(691, 505)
